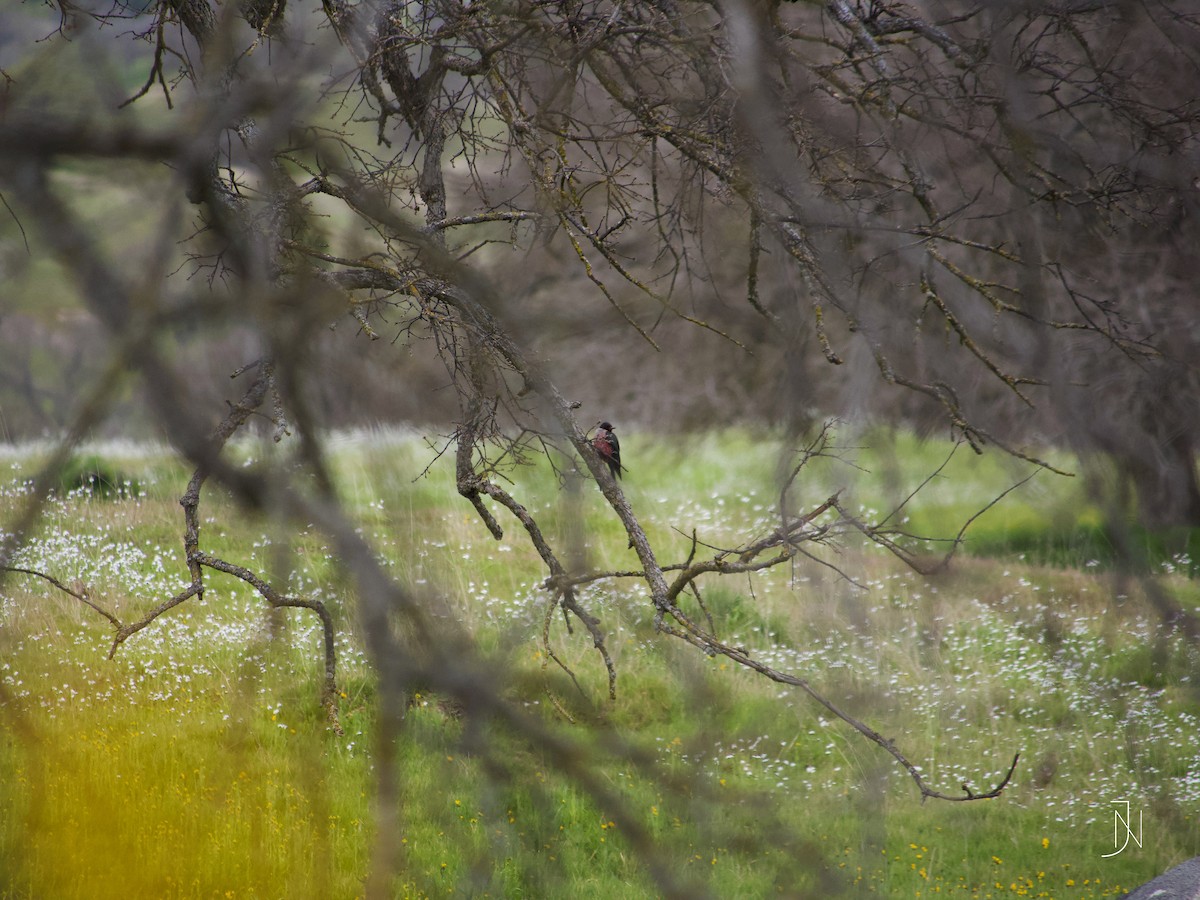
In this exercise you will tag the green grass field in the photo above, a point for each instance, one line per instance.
(198, 763)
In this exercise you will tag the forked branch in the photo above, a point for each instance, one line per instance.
(777, 546)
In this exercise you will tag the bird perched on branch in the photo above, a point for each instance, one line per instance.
(606, 444)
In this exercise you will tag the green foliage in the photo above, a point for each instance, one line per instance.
(92, 474)
(199, 758)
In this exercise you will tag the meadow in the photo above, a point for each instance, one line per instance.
(198, 763)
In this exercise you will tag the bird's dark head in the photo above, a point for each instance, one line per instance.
(607, 426)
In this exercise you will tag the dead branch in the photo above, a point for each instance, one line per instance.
(82, 594)
(472, 486)
(710, 645)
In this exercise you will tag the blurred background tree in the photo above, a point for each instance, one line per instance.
(690, 211)
(516, 219)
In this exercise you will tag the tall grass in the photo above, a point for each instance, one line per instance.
(198, 764)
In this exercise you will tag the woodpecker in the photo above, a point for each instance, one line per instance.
(606, 444)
